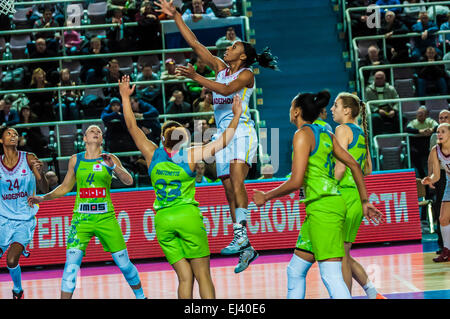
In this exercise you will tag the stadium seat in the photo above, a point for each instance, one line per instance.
(126, 64)
(67, 135)
(405, 87)
(363, 47)
(223, 3)
(20, 19)
(409, 109)
(18, 45)
(403, 73)
(390, 151)
(435, 107)
(97, 12)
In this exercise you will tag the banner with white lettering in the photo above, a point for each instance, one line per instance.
(273, 226)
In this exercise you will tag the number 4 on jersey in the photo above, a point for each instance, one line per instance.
(90, 178)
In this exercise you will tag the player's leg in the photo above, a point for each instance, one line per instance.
(347, 266)
(444, 220)
(202, 272)
(297, 270)
(229, 194)
(12, 263)
(185, 276)
(74, 256)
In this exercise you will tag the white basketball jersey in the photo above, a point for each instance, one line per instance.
(16, 184)
(223, 105)
(445, 160)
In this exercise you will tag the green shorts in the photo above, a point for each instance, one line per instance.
(322, 230)
(354, 215)
(181, 233)
(104, 226)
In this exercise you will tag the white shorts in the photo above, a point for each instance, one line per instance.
(243, 147)
(16, 231)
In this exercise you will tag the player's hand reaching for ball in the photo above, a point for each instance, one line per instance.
(124, 86)
(32, 200)
(166, 7)
(237, 105)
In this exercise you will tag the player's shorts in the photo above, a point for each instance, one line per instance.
(242, 147)
(446, 197)
(16, 231)
(181, 233)
(354, 215)
(104, 226)
(322, 230)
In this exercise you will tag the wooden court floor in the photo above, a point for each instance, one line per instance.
(403, 272)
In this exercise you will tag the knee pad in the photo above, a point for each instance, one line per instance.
(296, 276)
(331, 273)
(73, 263)
(126, 267)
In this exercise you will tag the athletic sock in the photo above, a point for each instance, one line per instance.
(296, 277)
(370, 290)
(241, 215)
(445, 231)
(331, 273)
(16, 275)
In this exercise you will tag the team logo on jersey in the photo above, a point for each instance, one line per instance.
(222, 100)
(24, 171)
(93, 208)
(97, 168)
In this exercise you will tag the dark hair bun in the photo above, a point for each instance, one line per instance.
(267, 60)
(322, 98)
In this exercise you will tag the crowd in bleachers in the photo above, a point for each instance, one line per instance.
(102, 103)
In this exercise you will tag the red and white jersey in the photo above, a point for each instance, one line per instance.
(223, 105)
(16, 184)
(445, 160)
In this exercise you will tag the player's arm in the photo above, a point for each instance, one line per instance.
(38, 170)
(113, 162)
(200, 50)
(65, 187)
(368, 167)
(302, 147)
(200, 153)
(245, 79)
(433, 162)
(145, 146)
(343, 135)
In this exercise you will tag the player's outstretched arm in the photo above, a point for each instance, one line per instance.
(144, 145)
(200, 50)
(65, 187)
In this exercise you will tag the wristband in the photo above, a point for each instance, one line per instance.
(364, 201)
(110, 167)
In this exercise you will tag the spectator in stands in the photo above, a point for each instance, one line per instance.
(420, 145)
(373, 58)
(359, 19)
(8, 115)
(169, 74)
(266, 172)
(147, 118)
(396, 48)
(198, 12)
(72, 42)
(57, 12)
(41, 103)
(224, 42)
(204, 103)
(31, 138)
(411, 14)
(178, 105)
(117, 138)
(52, 180)
(148, 31)
(427, 29)
(92, 69)
(384, 116)
(42, 51)
(200, 134)
(120, 38)
(128, 7)
(69, 98)
(444, 39)
(113, 75)
(194, 88)
(149, 92)
(46, 21)
(431, 75)
(440, 11)
(389, 3)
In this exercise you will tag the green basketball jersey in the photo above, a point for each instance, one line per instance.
(323, 124)
(93, 186)
(357, 148)
(319, 180)
(172, 179)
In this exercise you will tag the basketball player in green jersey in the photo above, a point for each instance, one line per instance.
(93, 212)
(178, 222)
(321, 235)
(346, 109)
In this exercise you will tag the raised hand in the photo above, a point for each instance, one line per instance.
(107, 159)
(124, 86)
(237, 105)
(186, 71)
(38, 165)
(166, 7)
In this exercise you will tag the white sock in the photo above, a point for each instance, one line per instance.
(241, 214)
(445, 231)
(370, 290)
(331, 273)
(296, 275)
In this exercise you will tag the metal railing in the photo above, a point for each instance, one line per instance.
(348, 24)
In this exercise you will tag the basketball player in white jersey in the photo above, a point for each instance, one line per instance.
(440, 154)
(19, 174)
(233, 76)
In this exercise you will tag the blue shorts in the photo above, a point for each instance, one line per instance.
(16, 231)
(446, 197)
(242, 147)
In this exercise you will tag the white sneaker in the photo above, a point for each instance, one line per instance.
(245, 258)
(239, 242)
